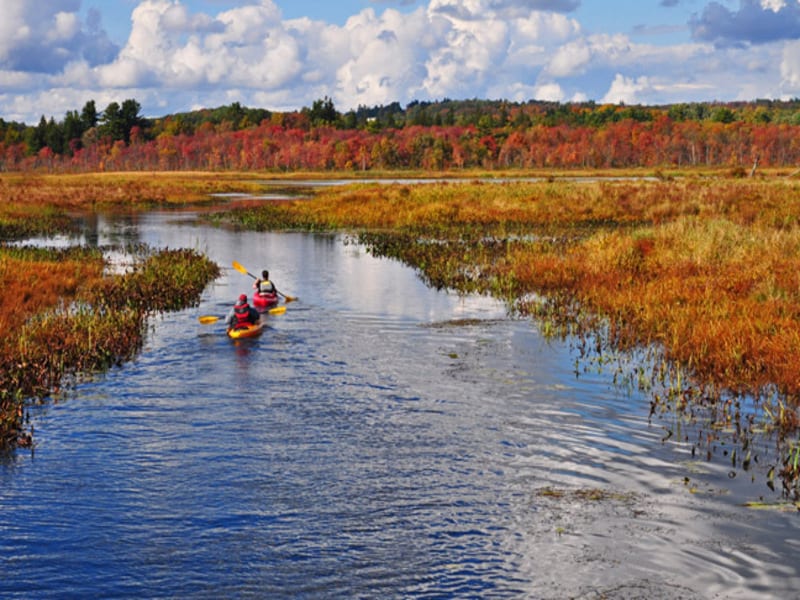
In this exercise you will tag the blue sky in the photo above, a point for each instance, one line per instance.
(178, 55)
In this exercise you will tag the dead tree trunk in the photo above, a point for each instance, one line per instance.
(755, 166)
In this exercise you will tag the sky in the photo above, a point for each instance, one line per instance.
(281, 55)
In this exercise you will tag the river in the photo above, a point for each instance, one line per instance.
(380, 440)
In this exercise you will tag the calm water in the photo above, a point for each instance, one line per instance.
(381, 440)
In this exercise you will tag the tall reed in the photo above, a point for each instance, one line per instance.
(65, 318)
(705, 270)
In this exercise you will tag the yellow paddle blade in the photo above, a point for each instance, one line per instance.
(239, 267)
(208, 319)
(278, 310)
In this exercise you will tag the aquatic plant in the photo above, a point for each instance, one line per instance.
(94, 322)
(170, 279)
(61, 314)
(704, 273)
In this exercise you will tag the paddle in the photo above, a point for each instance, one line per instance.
(206, 319)
(239, 267)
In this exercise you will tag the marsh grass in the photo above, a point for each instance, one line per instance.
(701, 272)
(62, 315)
(64, 318)
(25, 194)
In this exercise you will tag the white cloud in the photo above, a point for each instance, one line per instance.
(67, 26)
(773, 5)
(124, 73)
(372, 59)
(16, 80)
(504, 51)
(469, 55)
(175, 57)
(625, 89)
(384, 58)
(43, 37)
(550, 92)
(177, 18)
(570, 59)
(790, 65)
(174, 49)
(546, 27)
(14, 29)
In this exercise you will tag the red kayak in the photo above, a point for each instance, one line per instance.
(265, 300)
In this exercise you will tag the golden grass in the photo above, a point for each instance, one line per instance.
(705, 267)
(34, 286)
(59, 313)
(22, 193)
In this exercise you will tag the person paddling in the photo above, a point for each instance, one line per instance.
(242, 314)
(239, 267)
(263, 285)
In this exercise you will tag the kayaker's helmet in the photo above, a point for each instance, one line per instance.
(264, 274)
(242, 300)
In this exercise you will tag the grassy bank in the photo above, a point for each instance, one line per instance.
(703, 273)
(700, 271)
(62, 315)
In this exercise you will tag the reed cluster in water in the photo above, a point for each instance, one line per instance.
(702, 272)
(62, 315)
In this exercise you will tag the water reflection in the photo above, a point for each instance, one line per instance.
(380, 440)
(101, 230)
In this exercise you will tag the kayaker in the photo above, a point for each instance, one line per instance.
(264, 285)
(242, 313)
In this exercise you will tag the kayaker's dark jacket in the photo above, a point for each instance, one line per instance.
(265, 286)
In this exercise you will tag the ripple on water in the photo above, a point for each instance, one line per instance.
(415, 446)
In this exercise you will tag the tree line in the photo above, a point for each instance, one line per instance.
(446, 134)
(77, 129)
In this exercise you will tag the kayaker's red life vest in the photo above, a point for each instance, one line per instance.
(242, 312)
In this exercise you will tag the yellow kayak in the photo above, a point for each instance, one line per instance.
(246, 331)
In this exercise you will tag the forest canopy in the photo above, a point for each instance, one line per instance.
(446, 134)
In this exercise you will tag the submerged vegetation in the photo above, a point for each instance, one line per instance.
(700, 274)
(63, 315)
